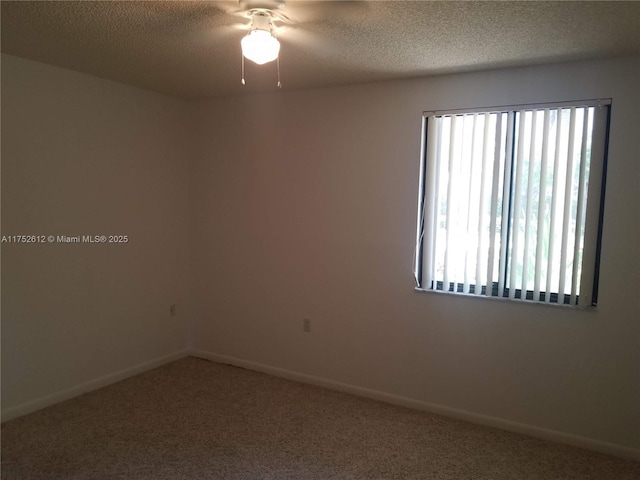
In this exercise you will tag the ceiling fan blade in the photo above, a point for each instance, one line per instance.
(309, 42)
(229, 7)
(221, 33)
(302, 12)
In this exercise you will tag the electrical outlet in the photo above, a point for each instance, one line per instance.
(172, 310)
(306, 325)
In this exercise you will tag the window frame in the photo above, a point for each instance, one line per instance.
(602, 146)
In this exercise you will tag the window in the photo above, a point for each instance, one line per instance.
(511, 202)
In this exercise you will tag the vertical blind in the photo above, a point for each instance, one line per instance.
(511, 202)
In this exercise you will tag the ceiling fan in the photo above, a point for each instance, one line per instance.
(260, 45)
(267, 20)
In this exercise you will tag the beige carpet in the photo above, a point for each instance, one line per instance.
(194, 419)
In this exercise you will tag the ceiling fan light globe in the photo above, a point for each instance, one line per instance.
(260, 47)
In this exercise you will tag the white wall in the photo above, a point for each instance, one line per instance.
(304, 205)
(81, 155)
(293, 205)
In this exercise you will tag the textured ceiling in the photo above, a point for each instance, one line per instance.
(191, 49)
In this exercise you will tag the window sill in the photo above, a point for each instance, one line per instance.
(590, 308)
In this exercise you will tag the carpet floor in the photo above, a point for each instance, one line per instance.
(195, 419)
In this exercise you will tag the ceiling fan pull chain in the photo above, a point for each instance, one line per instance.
(278, 57)
(242, 57)
(278, 65)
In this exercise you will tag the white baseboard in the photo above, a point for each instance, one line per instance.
(33, 405)
(530, 430)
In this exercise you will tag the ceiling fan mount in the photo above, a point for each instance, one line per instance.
(255, 14)
(271, 9)
(261, 5)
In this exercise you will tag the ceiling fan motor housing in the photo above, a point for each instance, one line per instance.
(261, 20)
